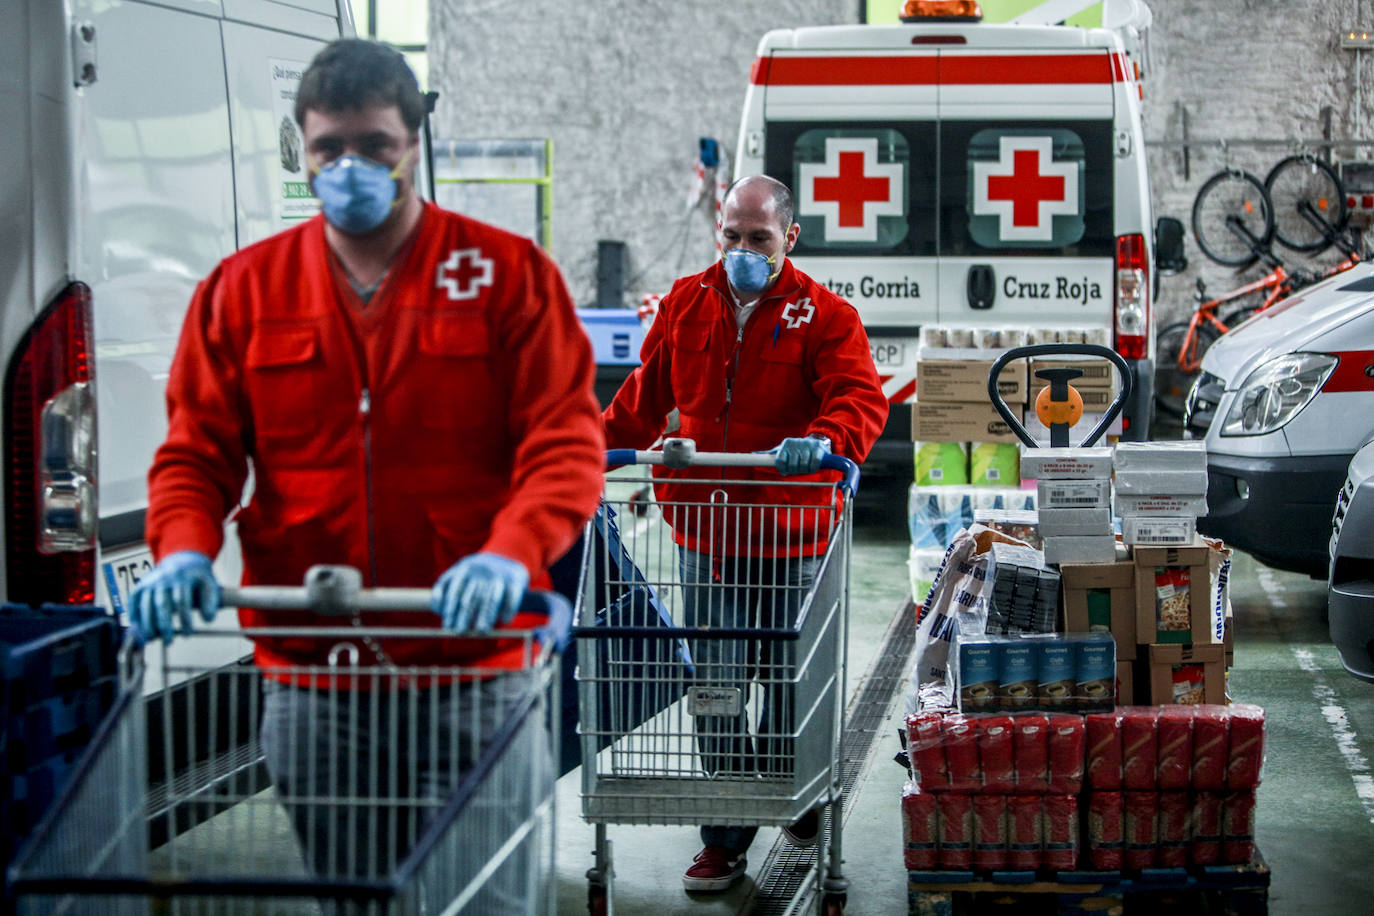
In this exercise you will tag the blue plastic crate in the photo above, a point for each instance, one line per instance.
(57, 725)
(616, 335)
(52, 650)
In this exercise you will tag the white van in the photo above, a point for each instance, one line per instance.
(1284, 401)
(966, 174)
(142, 143)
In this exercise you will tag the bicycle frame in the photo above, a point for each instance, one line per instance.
(1277, 282)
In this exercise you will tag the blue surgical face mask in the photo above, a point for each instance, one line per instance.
(749, 271)
(357, 194)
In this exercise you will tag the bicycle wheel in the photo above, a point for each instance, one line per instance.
(1172, 383)
(1238, 194)
(1306, 178)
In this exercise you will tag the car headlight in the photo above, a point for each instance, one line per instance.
(1275, 393)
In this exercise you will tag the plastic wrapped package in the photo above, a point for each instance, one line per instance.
(1066, 748)
(1139, 750)
(942, 463)
(1060, 814)
(920, 829)
(922, 565)
(990, 831)
(925, 750)
(1238, 827)
(1246, 757)
(955, 830)
(1174, 735)
(1025, 832)
(1175, 811)
(1106, 831)
(996, 751)
(994, 464)
(961, 754)
(1211, 746)
(1031, 753)
(1205, 829)
(1141, 828)
(1104, 757)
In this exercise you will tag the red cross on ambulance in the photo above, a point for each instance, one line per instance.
(851, 189)
(1025, 189)
(464, 273)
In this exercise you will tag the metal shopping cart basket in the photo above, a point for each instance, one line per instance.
(371, 787)
(711, 643)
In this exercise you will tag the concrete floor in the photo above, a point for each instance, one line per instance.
(1316, 811)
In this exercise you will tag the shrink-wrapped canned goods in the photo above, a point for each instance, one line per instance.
(990, 831)
(1205, 848)
(920, 829)
(1066, 754)
(1060, 815)
(1024, 832)
(1106, 830)
(1139, 752)
(955, 830)
(1142, 829)
(995, 753)
(1103, 735)
(1174, 737)
(1174, 812)
(1030, 740)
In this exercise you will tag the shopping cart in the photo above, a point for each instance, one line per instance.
(711, 651)
(393, 788)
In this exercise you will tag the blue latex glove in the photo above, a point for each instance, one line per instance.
(479, 592)
(800, 455)
(183, 581)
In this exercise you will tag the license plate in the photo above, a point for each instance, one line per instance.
(123, 570)
(888, 354)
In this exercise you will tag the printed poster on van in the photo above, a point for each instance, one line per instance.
(294, 200)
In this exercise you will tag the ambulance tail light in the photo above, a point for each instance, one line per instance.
(916, 11)
(1132, 295)
(50, 457)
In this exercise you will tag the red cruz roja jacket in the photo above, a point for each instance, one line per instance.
(453, 414)
(801, 365)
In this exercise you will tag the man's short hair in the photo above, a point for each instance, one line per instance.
(782, 197)
(353, 72)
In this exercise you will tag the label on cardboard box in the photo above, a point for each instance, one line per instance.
(1066, 463)
(937, 422)
(1187, 675)
(1074, 494)
(1151, 530)
(1097, 373)
(1128, 506)
(966, 380)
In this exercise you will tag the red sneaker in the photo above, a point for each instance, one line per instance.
(713, 870)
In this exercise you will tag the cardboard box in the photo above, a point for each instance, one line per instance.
(1148, 530)
(1128, 506)
(966, 381)
(1160, 588)
(1075, 522)
(1125, 681)
(1073, 494)
(1087, 587)
(1187, 674)
(1066, 463)
(1094, 548)
(1097, 373)
(936, 422)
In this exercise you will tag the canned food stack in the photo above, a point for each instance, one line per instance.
(59, 682)
(1161, 489)
(1073, 491)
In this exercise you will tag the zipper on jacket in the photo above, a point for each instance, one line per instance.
(730, 384)
(365, 411)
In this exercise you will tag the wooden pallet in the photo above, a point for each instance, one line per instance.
(1216, 890)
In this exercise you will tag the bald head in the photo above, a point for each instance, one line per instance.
(763, 192)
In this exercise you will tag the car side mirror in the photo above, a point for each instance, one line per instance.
(1169, 256)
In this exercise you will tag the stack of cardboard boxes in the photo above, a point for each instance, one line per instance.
(1073, 490)
(1097, 386)
(1161, 489)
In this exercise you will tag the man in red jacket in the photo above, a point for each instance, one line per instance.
(413, 392)
(755, 356)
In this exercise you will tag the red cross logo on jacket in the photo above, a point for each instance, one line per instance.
(798, 313)
(851, 189)
(1025, 189)
(464, 273)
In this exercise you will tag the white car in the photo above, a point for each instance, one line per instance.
(1284, 401)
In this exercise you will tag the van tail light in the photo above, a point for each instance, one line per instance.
(50, 457)
(1132, 296)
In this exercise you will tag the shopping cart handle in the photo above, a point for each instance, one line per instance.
(682, 453)
(556, 609)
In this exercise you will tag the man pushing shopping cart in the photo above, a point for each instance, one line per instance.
(755, 356)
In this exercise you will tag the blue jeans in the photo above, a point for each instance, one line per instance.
(727, 592)
(361, 772)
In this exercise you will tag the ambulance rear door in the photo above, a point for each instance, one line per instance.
(1026, 230)
(850, 123)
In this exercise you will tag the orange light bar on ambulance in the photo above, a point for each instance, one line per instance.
(941, 11)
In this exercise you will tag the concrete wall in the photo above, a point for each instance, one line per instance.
(625, 87)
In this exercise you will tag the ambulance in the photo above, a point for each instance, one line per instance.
(1284, 401)
(962, 173)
